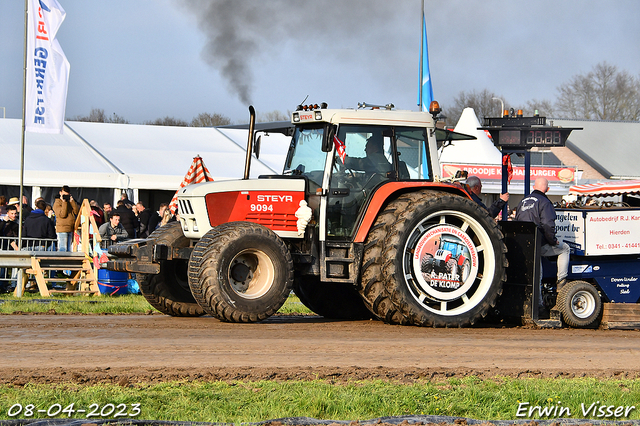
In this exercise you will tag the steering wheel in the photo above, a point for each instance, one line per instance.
(380, 175)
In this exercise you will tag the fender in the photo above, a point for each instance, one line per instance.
(393, 189)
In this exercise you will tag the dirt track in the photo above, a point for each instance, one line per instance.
(131, 348)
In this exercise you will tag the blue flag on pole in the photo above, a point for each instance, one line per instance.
(425, 91)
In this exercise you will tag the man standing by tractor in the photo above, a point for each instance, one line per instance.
(475, 186)
(537, 208)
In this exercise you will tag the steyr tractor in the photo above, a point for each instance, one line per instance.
(358, 225)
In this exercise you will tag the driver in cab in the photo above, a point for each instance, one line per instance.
(375, 161)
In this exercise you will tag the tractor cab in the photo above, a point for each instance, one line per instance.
(346, 155)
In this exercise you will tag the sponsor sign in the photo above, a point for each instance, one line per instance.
(494, 172)
(445, 262)
(599, 232)
(570, 229)
(612, 232)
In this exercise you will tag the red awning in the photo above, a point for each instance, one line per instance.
(607, 188)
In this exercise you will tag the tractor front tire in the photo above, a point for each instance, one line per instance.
(407, 229)
(330, 300)
(579, 303)
(169, 290)
(241, 272)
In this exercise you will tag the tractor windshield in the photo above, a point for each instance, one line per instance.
(305, 154)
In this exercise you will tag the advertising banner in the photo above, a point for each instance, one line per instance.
(494, 172)
(612, 232)
(570, 229)
(47, 69)
(599, 232)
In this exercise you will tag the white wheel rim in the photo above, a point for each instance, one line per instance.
(583, 304)
(472, 289)
(251, 273)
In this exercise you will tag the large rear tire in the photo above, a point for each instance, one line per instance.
(413, 226)
(330, 300)
(169, 290)
(580, 304)
(240, 272)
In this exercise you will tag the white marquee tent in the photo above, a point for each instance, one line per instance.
(126, 156)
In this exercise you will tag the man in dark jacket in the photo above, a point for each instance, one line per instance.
(537, 208)
(128, 220)
(144, 215)
(39, 226)
(10, 228)
(156, 218)
(475, 186)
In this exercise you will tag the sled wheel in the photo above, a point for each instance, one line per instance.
(580, 304)
(240, 272)
(169, 290)
(419, 220)
(330, 300)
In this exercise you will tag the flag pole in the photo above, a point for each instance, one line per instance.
(421, 53)
(24, 105)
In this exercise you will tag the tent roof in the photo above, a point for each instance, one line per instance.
(53, 159)
(130, 156)
(478, 151)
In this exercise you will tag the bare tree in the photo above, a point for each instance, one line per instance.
(209, 120)
(481, 102)
(97, 115)
(274, 115)
(602, 94)
(167, 121)
(544, 107)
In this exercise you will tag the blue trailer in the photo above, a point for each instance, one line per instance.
(604, 270)
(605, 242)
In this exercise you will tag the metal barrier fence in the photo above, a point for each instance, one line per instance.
(8, 271)
(29, 244)
(8, 275)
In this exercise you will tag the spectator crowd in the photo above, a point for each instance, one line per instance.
(51, 227)
(44, 221)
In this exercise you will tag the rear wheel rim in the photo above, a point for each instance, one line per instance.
(452, 295)
(583, 304)
(251, 273)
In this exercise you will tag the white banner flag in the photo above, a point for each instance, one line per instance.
(47, 68)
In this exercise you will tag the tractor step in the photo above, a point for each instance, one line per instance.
(340, 261)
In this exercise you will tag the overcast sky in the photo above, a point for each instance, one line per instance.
(146, 59)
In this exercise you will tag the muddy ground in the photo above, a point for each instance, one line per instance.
(127, 349)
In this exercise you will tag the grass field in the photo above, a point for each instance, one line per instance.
(103, 304)
(498, 399)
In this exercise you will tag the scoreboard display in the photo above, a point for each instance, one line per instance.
(526, 132)
(531, 138)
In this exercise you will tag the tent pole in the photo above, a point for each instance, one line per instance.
(24, 106)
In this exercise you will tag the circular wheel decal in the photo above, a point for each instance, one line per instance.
(445, 262)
